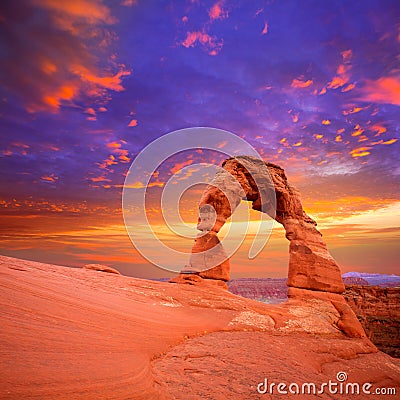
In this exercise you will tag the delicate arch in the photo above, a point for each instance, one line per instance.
(310, 264)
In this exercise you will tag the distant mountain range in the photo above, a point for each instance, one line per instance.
(276, 287)
(383, 280)
(273, 290)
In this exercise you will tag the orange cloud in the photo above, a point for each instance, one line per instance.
(140, 185)
(116, 149)
(362, 138)
(387, 142)
(385, 90)
(391, 141)
(379, 129)
(53, 101)
(100, 179)
(108, 162)
(349, 87)
(49, 178)
(114, 145)
(326, 122)
(358, 131)
(133, 123)
(342, 73)
(68, 14)
(177, 167)
(300, 84)
(338, 81)
(108, 82)
(360, 152)
(353, 110)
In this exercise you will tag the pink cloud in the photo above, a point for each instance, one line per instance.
(385, 90)
(265, 29)
(217, 11)
(210, 43)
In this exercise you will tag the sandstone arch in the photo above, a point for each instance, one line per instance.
(310, 264)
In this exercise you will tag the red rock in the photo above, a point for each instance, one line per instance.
(347, 321)
(310, 265)
(67, 333)
(194, 279)
(101, 268)
(378, 310)
(208, 258)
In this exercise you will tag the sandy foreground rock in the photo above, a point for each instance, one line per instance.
(82, 334)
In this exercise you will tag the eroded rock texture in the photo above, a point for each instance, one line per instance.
(74, 333)
(264, 184)
(378, 310)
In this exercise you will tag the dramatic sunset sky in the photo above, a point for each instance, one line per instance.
(314, 86)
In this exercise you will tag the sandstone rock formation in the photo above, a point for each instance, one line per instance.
(378, 310)
(266, 186)
(313, 273)
(69, 333)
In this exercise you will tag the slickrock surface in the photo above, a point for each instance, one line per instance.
(265, 184)
(101, 268)
(378, 310)
(79, 334)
